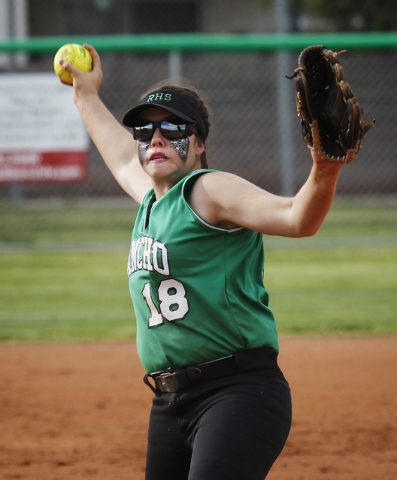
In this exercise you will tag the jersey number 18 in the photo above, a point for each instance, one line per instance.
(173, 304)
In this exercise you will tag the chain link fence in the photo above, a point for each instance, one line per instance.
(243, 91)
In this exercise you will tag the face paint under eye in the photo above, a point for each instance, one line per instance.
(142, 149)
(181, 147)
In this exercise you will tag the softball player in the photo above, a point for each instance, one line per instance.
(205, 334)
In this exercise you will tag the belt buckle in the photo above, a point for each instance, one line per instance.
(163, 383)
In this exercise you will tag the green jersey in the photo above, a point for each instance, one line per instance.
(197, 289)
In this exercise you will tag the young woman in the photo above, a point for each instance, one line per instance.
(205, 333)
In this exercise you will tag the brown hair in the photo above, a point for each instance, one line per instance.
(192, 95)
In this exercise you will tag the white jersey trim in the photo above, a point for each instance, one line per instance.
(228, 230)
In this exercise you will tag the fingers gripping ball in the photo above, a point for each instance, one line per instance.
(76, 55)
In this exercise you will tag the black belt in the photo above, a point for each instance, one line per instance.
(172, 380)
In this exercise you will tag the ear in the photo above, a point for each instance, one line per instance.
(199, 146)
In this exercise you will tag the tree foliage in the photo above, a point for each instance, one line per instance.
(347, 15)
(366, 15)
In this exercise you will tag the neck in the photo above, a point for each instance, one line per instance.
(162, 185)
(160, 189)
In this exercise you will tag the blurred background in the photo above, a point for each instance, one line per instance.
(68, 409)
(242, 88)
(255, 129)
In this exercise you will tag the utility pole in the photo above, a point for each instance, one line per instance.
(15, 190)
(285, 108)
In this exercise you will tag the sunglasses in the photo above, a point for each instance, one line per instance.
(169, 130)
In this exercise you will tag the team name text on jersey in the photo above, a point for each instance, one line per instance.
(148, 254)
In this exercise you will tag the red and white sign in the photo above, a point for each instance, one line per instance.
(42, 137)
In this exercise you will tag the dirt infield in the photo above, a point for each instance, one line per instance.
(74, 411)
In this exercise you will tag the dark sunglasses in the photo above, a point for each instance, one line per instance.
(168, 130)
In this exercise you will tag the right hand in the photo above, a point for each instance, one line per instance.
(86, 82)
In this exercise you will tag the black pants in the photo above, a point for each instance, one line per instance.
(231, 428)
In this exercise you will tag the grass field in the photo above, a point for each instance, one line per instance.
(84, 296)
(63, 275)
(337, 290)
(68, 222)
(104, 221)
(65, 296)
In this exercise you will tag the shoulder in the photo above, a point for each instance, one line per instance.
(209, 181)
(212, 194)
(222, 187)
(205, 183)
(226, 200)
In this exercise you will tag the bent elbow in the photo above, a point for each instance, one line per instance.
(307, 231)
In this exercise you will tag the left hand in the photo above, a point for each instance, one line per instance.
(324, 164)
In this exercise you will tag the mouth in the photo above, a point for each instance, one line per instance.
(158, 157)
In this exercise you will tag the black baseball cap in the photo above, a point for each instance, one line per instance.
(170, 101)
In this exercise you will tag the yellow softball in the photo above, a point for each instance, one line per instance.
(75, 54)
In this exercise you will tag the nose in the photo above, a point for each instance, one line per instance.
(157, 138)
